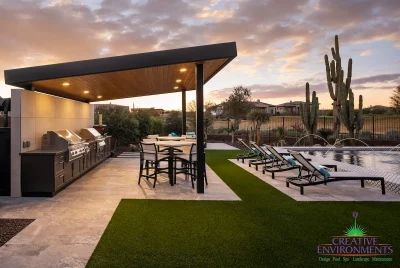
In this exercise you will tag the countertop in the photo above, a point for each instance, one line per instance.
(44, 152)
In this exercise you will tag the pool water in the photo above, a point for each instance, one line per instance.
(384, 161)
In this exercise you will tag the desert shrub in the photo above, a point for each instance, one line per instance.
(156, 126)
(392, 134)
(367, 135)
(324, 132)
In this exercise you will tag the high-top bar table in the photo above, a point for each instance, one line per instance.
(170, 138)
(171, 144)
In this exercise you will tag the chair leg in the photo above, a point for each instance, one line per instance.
(147, 168)
(362, 183)
(383, 187)
(273, 175)
(205, 175)
(155, 175)
(301, 190)
(140, 171)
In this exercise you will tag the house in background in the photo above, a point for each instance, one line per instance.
(268, 108)
(291, 107)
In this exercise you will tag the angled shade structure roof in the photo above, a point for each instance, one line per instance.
(125, 76)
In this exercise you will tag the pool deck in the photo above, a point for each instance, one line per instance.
(334, 191)
(344, 148)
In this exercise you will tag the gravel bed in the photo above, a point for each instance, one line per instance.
(10, 227)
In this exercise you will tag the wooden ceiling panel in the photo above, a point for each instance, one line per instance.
(129, 83)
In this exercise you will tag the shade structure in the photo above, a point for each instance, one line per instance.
(160, 72)
(125, 76)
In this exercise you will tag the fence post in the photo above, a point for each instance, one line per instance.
(269, 134)
(373, 127)
(283, 122)
(324, 121)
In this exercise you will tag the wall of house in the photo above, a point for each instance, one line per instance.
(32, 115)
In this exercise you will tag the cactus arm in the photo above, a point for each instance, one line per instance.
(351, 109)
(333, 71)
(313, 108)
(350, 70)
(330, 76)
(337, 45)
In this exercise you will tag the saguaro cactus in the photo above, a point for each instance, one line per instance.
(335, 75)
(309, 113)
(351, 119)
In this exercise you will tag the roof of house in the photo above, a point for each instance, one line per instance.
(261, 104)
(291, 103)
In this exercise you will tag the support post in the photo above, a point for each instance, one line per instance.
(200, 127)
(183, 111)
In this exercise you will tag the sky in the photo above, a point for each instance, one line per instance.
(281, 43)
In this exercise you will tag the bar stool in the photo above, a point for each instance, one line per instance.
(189, 165)
(149, 154)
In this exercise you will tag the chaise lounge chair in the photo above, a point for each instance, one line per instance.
(282, 164)
(317, 176)
(264, 158)
(249, 152)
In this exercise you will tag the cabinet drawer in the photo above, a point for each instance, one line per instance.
(59, 180)
(58, 166)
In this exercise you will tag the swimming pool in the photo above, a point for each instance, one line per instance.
(384, 161)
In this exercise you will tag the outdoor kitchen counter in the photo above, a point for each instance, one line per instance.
(43, 152)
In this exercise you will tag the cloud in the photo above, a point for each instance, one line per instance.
(366, 53)
(273, 91)
(285, 36)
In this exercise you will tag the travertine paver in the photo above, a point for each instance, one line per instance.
(68, 226)
(220, 146)
(334, 191)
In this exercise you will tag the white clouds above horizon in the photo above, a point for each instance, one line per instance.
(280, 42)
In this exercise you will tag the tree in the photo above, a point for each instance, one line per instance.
(173, 123)
(237, 106)
(120, 123)
(144, 119)
(191, 116)
(258, 117)
(395, 100)
(156, 126)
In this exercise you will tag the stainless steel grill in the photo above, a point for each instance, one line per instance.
(65, 140)
(91, 134)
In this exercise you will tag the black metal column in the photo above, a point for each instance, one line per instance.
(200, 127)
(183, 111)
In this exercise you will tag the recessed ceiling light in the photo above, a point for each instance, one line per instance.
(65, 84)
(86, 91)
(99, 97)
(183, 70)
(176, 87)
(178, 80)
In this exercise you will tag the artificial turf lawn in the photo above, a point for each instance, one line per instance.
(265, 229)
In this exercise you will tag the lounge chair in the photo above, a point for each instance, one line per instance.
(264, 157)
(317, 176)
(281, 164)
(249, 152)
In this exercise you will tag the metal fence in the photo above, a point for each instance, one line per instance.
(375, 127)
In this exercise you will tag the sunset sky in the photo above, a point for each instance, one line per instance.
(281, 43)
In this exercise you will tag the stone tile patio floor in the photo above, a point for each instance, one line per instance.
(68, 226)
(334, 191)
